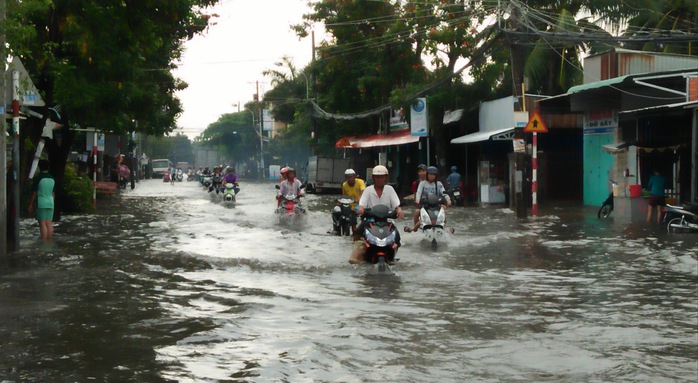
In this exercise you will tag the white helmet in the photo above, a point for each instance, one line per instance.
(380, 170)
(349, 172)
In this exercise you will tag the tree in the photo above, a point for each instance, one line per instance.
(232, 135)
(106, 63)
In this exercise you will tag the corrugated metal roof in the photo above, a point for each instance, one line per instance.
(479, 136)
(597, 84)
(678, 105)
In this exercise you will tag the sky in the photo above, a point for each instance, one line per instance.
(223, 65)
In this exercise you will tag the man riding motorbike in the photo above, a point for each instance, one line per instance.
(429, 186)
(353, 187)
(453, 182)
(231, 178)
(291, 185)
(378, 194)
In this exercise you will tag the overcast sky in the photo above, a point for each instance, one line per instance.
(222, 66)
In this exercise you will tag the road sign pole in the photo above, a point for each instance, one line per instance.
(534, 183)
(535, 125)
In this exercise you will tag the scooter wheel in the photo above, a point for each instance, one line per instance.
(605, 211)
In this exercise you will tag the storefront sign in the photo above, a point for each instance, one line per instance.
(600, 121)
(419, 119)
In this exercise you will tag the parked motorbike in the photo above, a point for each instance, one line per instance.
(166, 177)
(343, 216)
(180, 175)
(681, 219)
(607, 206)
(379, 236)
(229, 192)
(433, 217)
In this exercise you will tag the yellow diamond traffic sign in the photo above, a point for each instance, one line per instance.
(536, 124)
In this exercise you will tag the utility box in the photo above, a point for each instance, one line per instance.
(326, 175)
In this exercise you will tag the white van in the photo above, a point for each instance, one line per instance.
(160, 166)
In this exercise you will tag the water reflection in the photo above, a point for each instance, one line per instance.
(166, 283)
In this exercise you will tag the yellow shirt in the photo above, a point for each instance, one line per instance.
(354, 191)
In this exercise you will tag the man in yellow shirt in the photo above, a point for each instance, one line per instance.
(353, 187)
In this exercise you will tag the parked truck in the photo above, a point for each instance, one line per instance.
(325, 175)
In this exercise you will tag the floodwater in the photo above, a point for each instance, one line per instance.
(167, 284)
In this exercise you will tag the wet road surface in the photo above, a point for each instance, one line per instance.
(168, 284)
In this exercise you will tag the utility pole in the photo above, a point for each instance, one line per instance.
(261, 136)
(3, 141)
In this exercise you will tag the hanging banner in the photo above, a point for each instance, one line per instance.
(419, 119)
(267, 120)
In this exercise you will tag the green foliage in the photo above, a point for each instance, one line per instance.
(232, 135)
(177, 147)
(78, 192)
(106, 63)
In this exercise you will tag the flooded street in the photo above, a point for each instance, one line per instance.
(166, 284)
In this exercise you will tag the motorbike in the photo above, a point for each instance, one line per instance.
(456, 196)
(343, 216)
(206, 181)
(433, 217)
(229, 192)
(180, 175)
(166, 177)
(379, 236)
(607, 206)
(290, 211)
(215, 184)
(681, 219)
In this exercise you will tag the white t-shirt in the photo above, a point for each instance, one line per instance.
(370, 198)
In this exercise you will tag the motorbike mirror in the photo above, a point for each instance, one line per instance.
(277, 187)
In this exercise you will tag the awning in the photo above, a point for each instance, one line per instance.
(453, 116)
(644, 147)
(496, 135)
(616, 147)
(390, 139)
(678, 105)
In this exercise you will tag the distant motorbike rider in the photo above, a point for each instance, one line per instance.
(283, 172)
(453, 179)
(231, 177)
(379, 194)
(429, 186)
(353, 187)
(216, 179)
(284, 175)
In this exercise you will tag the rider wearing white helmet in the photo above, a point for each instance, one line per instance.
(353, 187)
(380, 193)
